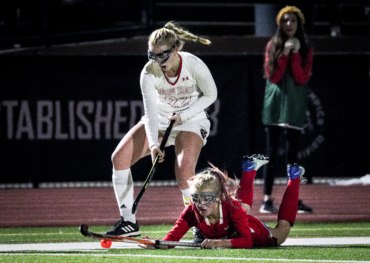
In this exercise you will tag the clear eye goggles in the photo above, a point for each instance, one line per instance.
(206, 198)
(160, 57)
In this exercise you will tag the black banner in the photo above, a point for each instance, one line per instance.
(61, 117)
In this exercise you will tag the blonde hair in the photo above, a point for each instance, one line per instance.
(203, 181)
(171, 34)
(290, 9)
(215, 180)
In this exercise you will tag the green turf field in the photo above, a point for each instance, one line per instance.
(318, 253)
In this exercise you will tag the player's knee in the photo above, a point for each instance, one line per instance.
(284, 232)
(281, 231)
(281, 240)
(285, 228)
(118, 159)
(114, 158)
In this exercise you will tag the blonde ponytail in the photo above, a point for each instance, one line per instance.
(186, 35)
(171, 34)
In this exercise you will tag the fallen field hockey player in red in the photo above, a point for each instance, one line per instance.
(223, 216)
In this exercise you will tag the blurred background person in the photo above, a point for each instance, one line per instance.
(287, 68)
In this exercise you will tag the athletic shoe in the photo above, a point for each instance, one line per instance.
(295, 171)
(253, 162)
(303, 209)
(268, 207)
(198, 235)
(124, 229)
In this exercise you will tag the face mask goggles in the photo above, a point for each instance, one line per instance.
(160, 57)
(206, 198)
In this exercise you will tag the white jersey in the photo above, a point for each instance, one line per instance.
(188, 94)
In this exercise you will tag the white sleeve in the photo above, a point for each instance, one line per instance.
(208, 88)
(150, 107)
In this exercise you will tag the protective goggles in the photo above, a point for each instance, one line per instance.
(206, 198)
(160, 57)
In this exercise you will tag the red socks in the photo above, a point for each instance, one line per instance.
(245, 191)
(289, 205)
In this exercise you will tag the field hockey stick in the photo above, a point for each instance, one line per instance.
(84, 231)
(154, 167)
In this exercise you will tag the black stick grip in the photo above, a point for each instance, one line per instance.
(166, 135)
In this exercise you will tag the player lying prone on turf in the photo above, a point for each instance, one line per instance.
(223, 217)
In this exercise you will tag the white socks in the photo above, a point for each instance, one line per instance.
(186, 196)
(124, 191)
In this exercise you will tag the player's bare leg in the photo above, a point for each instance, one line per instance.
(188, 146)
(131, 148)
(281, 231)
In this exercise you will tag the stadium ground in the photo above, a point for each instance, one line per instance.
(162, 205)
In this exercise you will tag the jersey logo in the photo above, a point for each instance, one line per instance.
(186, 78)
(123, 206)
(204, 133)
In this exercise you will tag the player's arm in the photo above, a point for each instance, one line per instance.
(240, 221)
(185, 221)
(208, 88)
(150, 107)
(179, 230)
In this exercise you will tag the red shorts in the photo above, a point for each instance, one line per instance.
(261, 235)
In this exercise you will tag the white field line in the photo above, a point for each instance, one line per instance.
(338, 228)
(88, 246)
(199, 258)
(326, 241)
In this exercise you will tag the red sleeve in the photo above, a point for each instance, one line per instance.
(240, 221)
(280, 67)
(301, 71)
(186, 220)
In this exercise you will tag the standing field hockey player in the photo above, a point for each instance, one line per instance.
(224, 221)
(177, 86)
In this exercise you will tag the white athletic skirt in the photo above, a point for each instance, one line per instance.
(200, 125)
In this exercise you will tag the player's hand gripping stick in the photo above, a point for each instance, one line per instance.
(154, 167)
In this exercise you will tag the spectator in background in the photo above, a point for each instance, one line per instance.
(287, 68)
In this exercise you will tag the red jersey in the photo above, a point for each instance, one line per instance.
(244, 231)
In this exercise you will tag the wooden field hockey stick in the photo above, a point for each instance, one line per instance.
(84, 231)
(154, 167)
